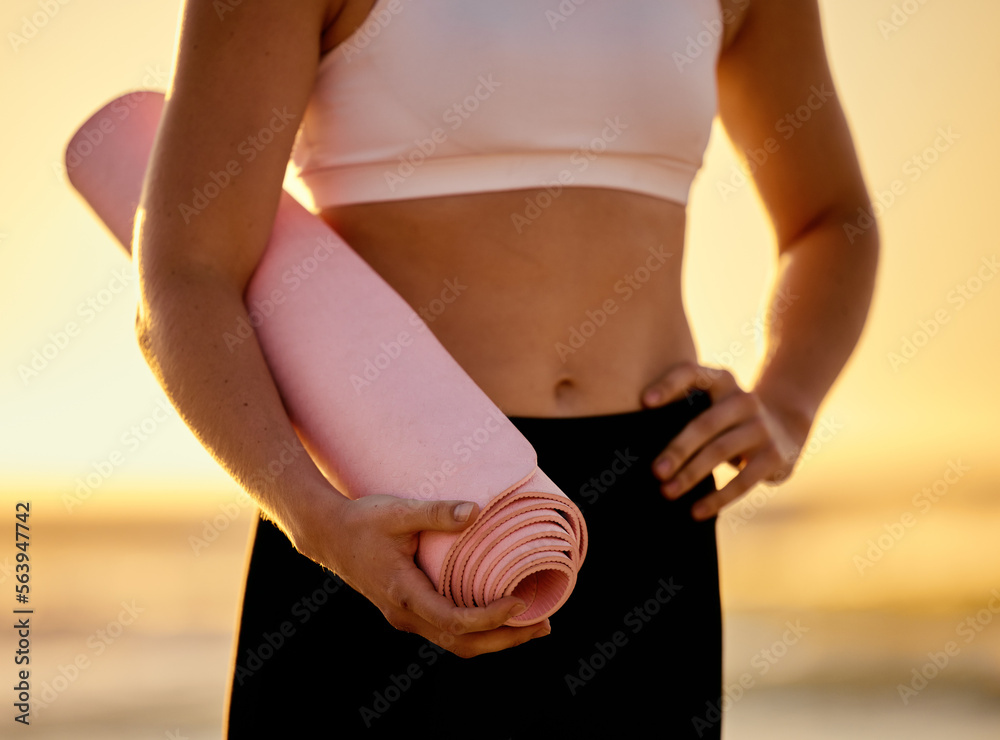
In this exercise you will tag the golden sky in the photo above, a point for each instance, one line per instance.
(920, 97)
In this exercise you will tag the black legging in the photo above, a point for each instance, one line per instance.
(637, 647)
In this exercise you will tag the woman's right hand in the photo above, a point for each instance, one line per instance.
(237, 75)
(371, 542)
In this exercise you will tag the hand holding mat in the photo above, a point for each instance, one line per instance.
(376, 399)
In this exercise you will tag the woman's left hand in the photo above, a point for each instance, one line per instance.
(740, 427)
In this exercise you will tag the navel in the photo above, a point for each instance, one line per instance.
(564, 389)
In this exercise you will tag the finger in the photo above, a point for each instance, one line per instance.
(672, 385)
(700, 431)
(684, 377)
(417, 516)
(480, 642)
(747, 478)
(412, 591)
(463, 631)
(502, 638)
(736, 443)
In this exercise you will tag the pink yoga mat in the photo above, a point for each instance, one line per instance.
(378, 402)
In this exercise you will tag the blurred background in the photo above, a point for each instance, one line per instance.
(861, 597)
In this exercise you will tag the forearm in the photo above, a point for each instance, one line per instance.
(817, 312)
(226, 395)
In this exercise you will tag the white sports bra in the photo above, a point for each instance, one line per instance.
(437, 97)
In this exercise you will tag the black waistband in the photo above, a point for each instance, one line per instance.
(690, 406)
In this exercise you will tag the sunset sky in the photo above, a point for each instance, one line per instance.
(921, 103)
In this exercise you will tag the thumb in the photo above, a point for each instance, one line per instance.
(447, 516)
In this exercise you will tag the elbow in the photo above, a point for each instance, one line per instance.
(142, 333)
(859, 235)
(850, 227)
(149, 310)
(142, 310)
(857, 219)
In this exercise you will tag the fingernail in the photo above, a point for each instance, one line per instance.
(671, 488)
(517, 610)
(542, 632)
(663, 467)
(699, 511)
(462, 512)
(653, 397)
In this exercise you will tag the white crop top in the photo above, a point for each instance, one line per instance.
(437, 97)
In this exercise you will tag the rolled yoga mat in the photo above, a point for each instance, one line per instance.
(378, 402)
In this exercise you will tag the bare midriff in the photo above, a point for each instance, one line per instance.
(571, 309)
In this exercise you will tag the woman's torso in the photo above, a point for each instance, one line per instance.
(570, 313)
